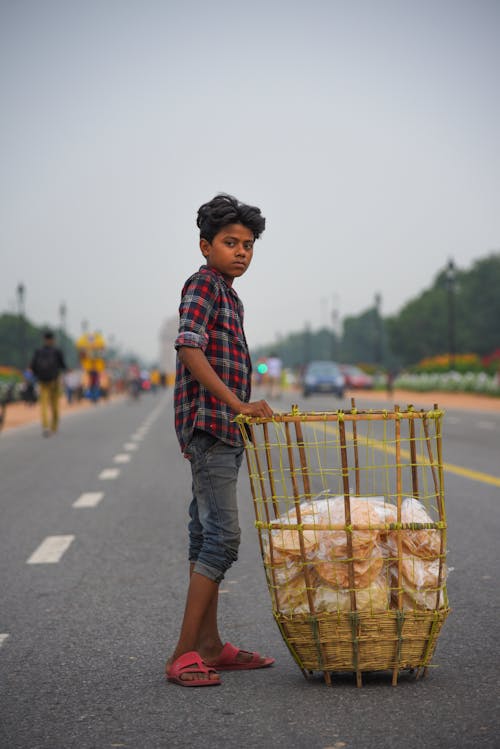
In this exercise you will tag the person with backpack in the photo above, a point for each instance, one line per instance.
(47, 363)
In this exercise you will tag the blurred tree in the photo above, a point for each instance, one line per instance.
(479, 299)
(10, 350)
(359, 342)
(419, 330)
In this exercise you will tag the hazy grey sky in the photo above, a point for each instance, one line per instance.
(367, 132)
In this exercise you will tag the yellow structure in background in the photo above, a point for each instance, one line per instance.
(91, 350)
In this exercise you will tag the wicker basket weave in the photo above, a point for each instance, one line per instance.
(306, 467)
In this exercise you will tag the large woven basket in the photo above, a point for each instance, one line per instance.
(350, 514)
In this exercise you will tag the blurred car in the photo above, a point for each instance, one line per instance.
(355, 378)
(323, 377)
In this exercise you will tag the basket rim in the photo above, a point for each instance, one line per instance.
(353, 414)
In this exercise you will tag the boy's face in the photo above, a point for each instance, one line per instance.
(230, 251)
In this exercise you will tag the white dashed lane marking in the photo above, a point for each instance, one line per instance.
(109, 473)
(88, 499)
(130, 446)
(121, 458)
(50, 550)
(3, 637)
(486, 424)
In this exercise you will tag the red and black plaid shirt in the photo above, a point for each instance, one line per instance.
(211, 318)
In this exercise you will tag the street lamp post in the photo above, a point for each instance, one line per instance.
(450, 285)
(62, 317)
(335, 330)
(378, 330)
(21, 291)
(307, 343)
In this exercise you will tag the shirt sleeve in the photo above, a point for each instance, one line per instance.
(197, 311)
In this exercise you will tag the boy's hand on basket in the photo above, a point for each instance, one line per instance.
(257, 408)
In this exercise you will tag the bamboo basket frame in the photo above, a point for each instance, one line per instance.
(352, 640)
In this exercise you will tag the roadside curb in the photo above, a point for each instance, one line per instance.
(460, 401)
(20, 414)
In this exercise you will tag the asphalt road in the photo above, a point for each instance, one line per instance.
(84, 638)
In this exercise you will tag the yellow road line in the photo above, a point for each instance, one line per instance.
(468, 473)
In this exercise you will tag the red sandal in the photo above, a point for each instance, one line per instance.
(191, 663)
(228, 660)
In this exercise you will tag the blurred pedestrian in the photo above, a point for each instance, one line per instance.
(94, 386)
(134, 384)
(389, 382)
(155, 379)
(72, 382)
(47, 364)
(105, 384)
(274, 369)
(28, 392)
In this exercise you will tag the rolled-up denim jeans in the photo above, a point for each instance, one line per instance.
(214, 531)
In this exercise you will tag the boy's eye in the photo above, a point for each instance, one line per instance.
(248, 245)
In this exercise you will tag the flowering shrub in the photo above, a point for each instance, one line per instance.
(491, 363)
(470, 374)
(463, 382)
(10, 374)
(441, 363)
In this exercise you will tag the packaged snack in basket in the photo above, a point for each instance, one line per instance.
(335, 571)
(374, 597)
(419, 581)
(421, 599)
(324, 553)
(423, 543)
(287, 541)
(364, 513)
(283, 572)
(292, 597)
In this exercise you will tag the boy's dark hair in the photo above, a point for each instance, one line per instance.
(223, 210)
(48, 335)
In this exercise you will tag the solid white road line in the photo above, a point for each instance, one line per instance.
(88, 499)
(109, 473)
(50, 550)
(130, 446)
(137, 437)
(3, 637)
(121, 458)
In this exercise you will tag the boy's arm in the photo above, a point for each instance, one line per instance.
(195, 360)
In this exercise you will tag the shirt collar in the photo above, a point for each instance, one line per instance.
(219, 275)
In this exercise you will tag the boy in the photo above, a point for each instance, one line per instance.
(212, 386)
